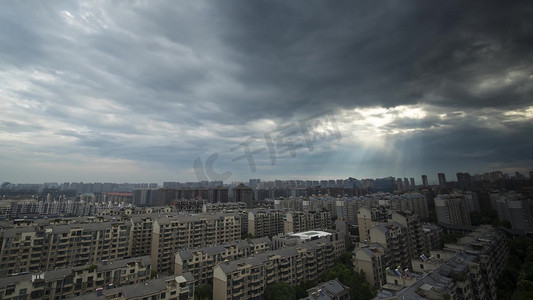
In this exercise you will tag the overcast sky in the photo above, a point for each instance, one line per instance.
(139, 91)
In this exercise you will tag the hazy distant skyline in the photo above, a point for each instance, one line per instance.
(114, 91)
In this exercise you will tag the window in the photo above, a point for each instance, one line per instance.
(421, 266)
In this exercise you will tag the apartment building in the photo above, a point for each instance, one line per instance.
(371, 258)
(368, 217)
(393, 238)
(223, 206)
(416, 243)
(346, 209)
(391, 245)
(200, 262)
(490, 248)
(413, 202)
(461, 267)
(77, 281)
(299, 221)
(452, 209)
(168, 288)
(432, 235)
(465, 270)
(517, 209)
(141, 234)
(247, 278)
(186, 231)
(34, 249)
(265, 222)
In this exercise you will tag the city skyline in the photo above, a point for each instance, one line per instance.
(421, 180)
(146, 92)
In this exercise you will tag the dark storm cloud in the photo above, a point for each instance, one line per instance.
(367, 54)
(167, 82)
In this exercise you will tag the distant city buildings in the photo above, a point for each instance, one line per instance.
(106, 241)
(425, 181)
(442, 179)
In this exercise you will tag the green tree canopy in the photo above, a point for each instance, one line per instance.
(344, 272)
(203, 292)
(279, 291)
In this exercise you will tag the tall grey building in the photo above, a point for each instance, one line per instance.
(452, 209)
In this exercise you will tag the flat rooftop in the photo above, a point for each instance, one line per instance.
(314, 234)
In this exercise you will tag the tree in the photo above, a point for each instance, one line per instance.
(346, 259)
(247, 236)
(343, 271)
(203, 292)
(279, 291)
(361, 290)
(449, 238)
(301, 289)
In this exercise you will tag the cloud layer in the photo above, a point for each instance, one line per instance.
(100, 91)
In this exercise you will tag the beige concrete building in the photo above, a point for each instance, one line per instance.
(416, 244)
(168, 288)
(141, 234)
(299, 221)
(200, 262)
(77, 281)
(265, 222)
(174, 233)
(248, 278)
(452, 209)
(465, 270)
(393, 238)
(34, 249)
(414, 202)
(371, 258)
(368, 217)
(490, 248)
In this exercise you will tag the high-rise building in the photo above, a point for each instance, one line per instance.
(171, 234)
(517, 209)
(415, 235)
(265, 222)
(371, 258)
(461, 178)
(425, 180)
(201, 261)
(34, 249)
(468, 269)
(386, 185)
(218, 194)
(393, 237)
(75, 281)
(442, 179)
(248, 278)
(452, 209)
(242, 193)
(368, 217)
